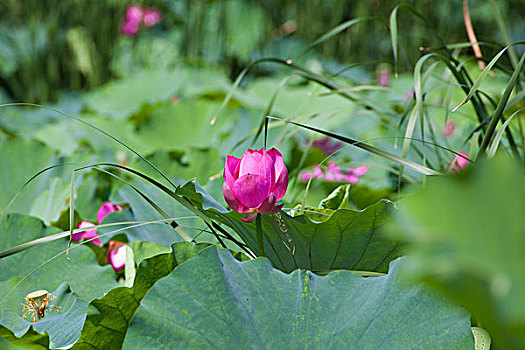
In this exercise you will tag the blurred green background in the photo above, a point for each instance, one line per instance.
(50, 46)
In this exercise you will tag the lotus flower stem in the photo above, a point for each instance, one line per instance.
(260, 241)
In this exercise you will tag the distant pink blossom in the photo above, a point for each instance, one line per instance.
(383, 77)
(87, 234)
(104, 210)
(458, 163)
(130, 28)
(353, 174)
(333, 173)
(117, 255)
(317, 173)
(136, 16)
(326, 145)
(449, 128)
(151, 17)
(134, 13)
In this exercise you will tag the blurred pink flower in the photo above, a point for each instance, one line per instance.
(333, 173)
(326, 145)
(383, 77)
(131, 24)
(136, 16)
(448, 129)
(353, 174)
(104, 210)
(134, 13)
(255, 183)
(87, 234)
(117, 255)
(130, 28)
(151, 17)
(317, 173)
(458, 163)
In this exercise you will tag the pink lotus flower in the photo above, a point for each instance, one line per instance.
(458, 163)
(134, 13)
(448, 129)
(131, 24)
(255, 183)
(87, 234)
(383, 77)
(136, 16)
(104, 210)
(117, 255)
(151, 17)
(333, 173)
(130, 28)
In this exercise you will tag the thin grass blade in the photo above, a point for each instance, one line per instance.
(387, 155)
(498, 113)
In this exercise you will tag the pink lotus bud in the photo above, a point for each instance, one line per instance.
(87, 234)
(255, 183)
(117, 255)
(130, 28)
(458, 163)
(448, 129)
(383, 77)
(151, 17)
(106, 209)
(134, 13)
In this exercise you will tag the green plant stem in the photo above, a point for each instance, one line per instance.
(499, 110)
(260, 241)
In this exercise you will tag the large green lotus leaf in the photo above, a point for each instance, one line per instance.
(107, 325)
(182, 125)
(119, 99)
(348, 240)
(48, 205)
(44, 267)
(467, 236)
(21, 159)
(199, 163)
(122, 98)
(62, 327)
(217, 302)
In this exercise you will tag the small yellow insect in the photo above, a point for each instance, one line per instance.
(37, 304)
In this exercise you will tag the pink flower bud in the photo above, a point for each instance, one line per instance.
(117, 255)
(130, 28)
(448, 129)
(151, 17)
(87, 234)
(458, 163)
(134, 13)
(383, 77)
(255, 183)
(105, 209)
